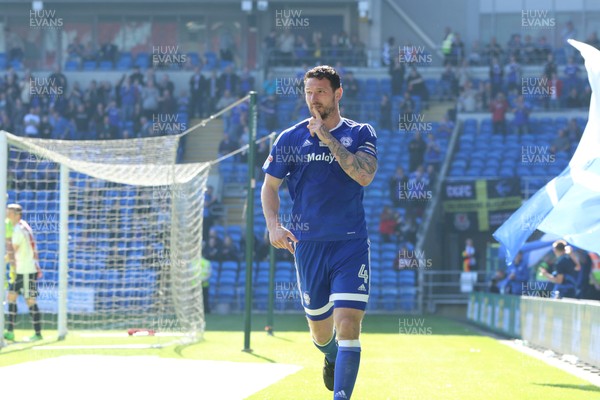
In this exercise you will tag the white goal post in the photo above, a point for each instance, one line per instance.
(118, 226)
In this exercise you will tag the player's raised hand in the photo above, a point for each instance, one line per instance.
(282, 238)
(316, 122)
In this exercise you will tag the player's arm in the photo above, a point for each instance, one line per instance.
(359, 166)
(269, 195)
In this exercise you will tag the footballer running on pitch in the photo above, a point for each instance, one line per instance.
(334, 158)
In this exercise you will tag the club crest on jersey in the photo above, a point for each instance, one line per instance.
(346, 141)
(306, 298)
(268, 162)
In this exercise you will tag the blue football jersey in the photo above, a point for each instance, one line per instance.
(327, 203)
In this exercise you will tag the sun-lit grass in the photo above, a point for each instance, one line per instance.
(438, 359)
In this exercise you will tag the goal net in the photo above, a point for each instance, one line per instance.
(118, 228)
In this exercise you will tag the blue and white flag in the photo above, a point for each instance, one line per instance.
(569, 205)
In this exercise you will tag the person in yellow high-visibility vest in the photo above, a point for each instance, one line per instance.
(9, 256)
(202, 265)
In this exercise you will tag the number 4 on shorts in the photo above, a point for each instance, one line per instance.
(364, 273)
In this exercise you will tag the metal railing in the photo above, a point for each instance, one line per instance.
(444, 287)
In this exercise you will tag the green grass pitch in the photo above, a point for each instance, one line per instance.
(433, 358)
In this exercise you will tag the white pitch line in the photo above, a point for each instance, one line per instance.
(98, 347)
(143, 377)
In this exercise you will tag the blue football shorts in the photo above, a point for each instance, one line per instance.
(333, 274)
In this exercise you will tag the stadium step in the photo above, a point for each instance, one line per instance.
(203, 142)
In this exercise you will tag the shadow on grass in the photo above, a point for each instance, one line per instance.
(585, 388)
(253, 354)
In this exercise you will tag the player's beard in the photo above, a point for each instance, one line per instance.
(326, 111)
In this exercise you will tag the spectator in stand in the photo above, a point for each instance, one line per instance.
(75, 51)
(416, 151)
(555, 90)
(517, 275)
(358, 52)
(149, 96)
(351, 90)
(31, 122)
(109, 52)
(82, 122)
(77, 94)
(136, 77)
(550, 66)
(270, 48)
(262, 153)
(586, 96)
(397, 183)
(285, 47)
(166, 85)
(447, 45)
(45, 130)
(498, 108)
(268, 110)
(269, 85)
(385, 113)
(564, 275)
(129, 97)
(433, 152)
(387, 224)
(416, 86)
(388, 54)
(475, 57)
(114, 114)
(198, 88)
(432, 175)
(446, 127)
(167, 104)
(60, 126)
(496, 76)
(397, 70)
(561, 143)
(513, 75)
(493, 49)
(457, 51)
(223, 102)
(229, 251)
(317, 44)
(569, 32)
(227, 145)
(212, 93)
(467, 101)
(573, 131)
(407, 107)
(212, 251)
(571, 72)
(409, 229)
(529, 51)
(107, 131)
(17, 116)
(593, 40)
(469, 256)
(145, 128)
(573, 100)
(514, 48)
(14, 45)
(246, 82)
(448, 83)
(544, 49)
(463, 75)
(228, 81)
(97, 117)
(89, 52)
(521, 115)
(301, 51)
